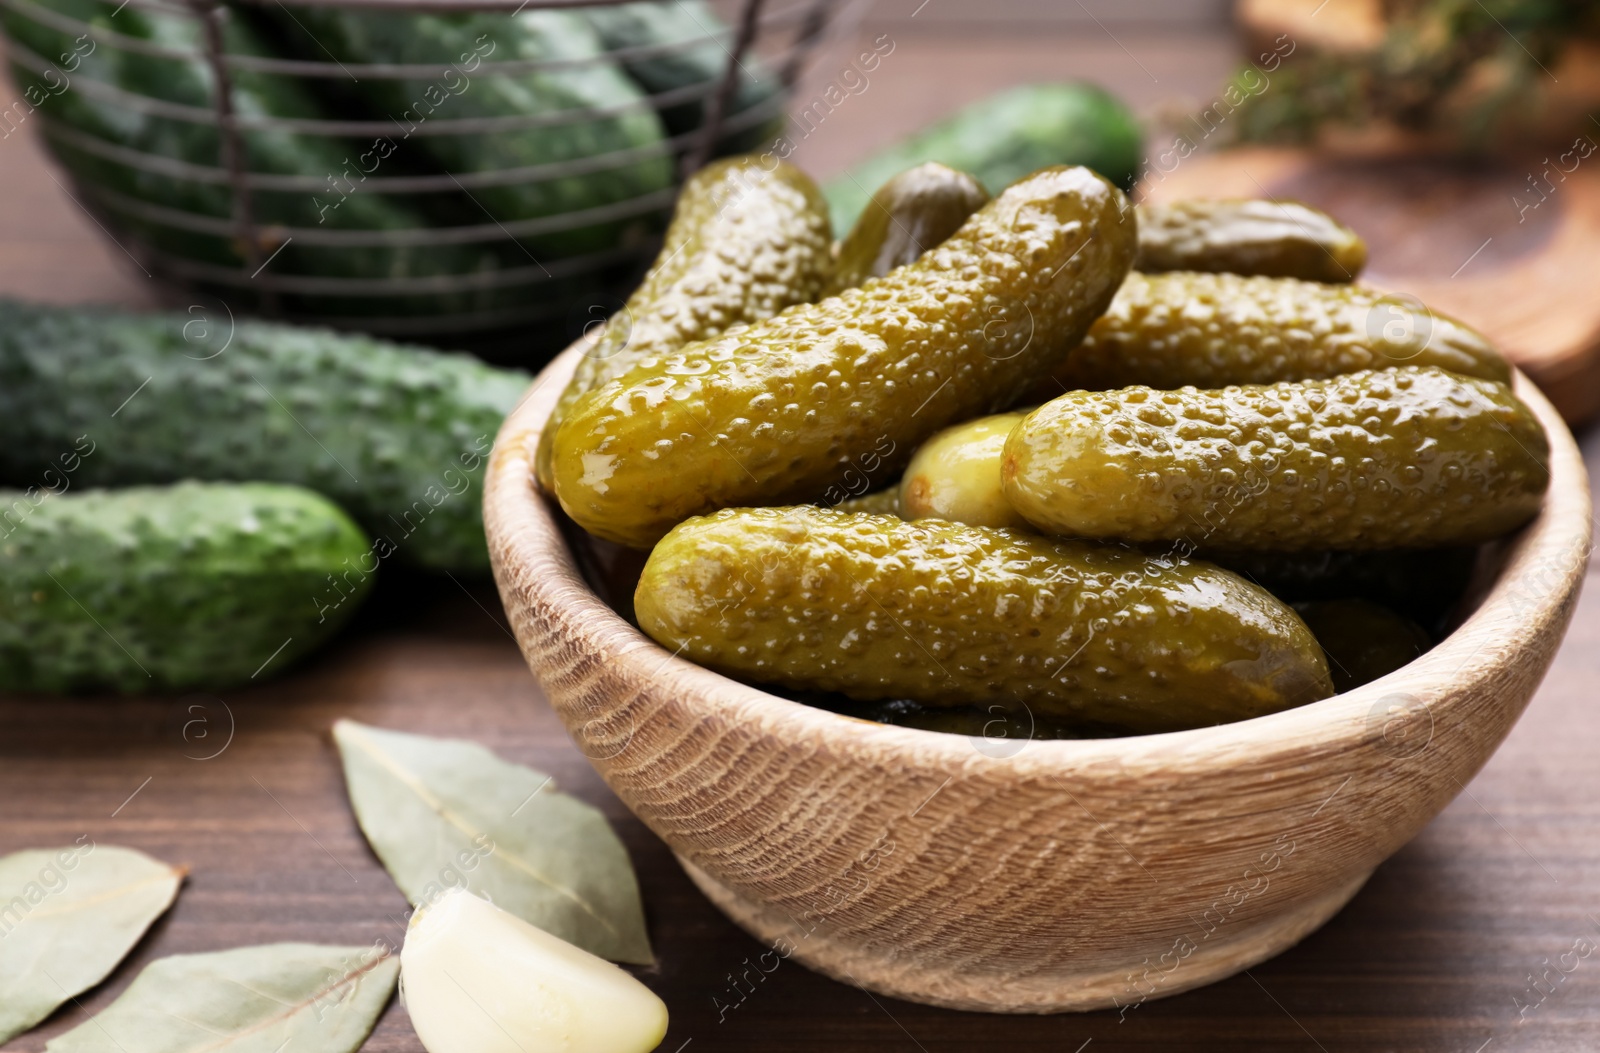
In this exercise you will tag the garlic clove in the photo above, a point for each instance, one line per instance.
(477, 979)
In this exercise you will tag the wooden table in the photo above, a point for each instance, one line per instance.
(1447, 949)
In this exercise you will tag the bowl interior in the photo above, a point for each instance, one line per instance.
(1522, 586)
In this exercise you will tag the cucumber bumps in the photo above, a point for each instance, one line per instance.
(1211, 330)
(781, 409)
(164, 588)
(744, 244)
(952, 615)
(1403, 458)
(397, 435)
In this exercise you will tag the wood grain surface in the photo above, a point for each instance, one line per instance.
(1455, 945)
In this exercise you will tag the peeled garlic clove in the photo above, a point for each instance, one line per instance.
(477, 979)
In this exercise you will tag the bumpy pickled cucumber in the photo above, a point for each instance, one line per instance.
(951, 615)
(744, 243)
(1362, 641)
(907, 216)
(882, 503)
(1212, 330)
(956, 475)
(1280, 239)
(1404, 458)
(782, 409)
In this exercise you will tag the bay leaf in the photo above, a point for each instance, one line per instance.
(442, 813)
(67, 917)
(276, 998)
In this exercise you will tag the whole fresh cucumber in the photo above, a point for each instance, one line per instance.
(1212, 330)
(745, 242)
(398, 436)
(906, 217)
(598, 128)
(784, 408)
(1004, 137)
(1404, 458)
(678, 47)
(946, 614)
(198, 585)
(1279, 239)
(85, 129)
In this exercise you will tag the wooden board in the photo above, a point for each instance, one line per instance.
(1453, 236)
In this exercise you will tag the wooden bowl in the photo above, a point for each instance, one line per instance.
(1013, 876)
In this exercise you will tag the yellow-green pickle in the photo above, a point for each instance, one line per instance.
(1402, 458)
(956, 475)
(744, 243)
(1212, 330)
(883, 503)
(1362, 640)
(907, 216)
(951, 615)
(1279, 239)
(780, 410)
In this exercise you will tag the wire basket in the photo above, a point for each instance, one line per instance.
(199, 145)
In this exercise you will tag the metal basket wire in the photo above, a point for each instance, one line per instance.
(510, 300)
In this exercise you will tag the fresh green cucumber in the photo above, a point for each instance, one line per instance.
(601, 129)
(398, 436)
(681, 63)
(85, 128)
(1005, 137)
(198, 585)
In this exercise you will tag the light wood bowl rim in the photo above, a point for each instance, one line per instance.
(1539, 579)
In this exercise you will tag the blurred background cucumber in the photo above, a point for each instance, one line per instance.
(195, 585)
(398, 436)
(487, 180)
(1004, 137)
(469, 179)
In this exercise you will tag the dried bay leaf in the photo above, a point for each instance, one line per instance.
(276, 998)
(67, 917)
(442, 813)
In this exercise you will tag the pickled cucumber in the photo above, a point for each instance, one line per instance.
(1212, 330)
(883, 503)
(744, 244)
(908, 215)
(951, 615)
(956, 475)
(780, 410)
(1280, 239)
(1362, 640)
(1403, 458)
